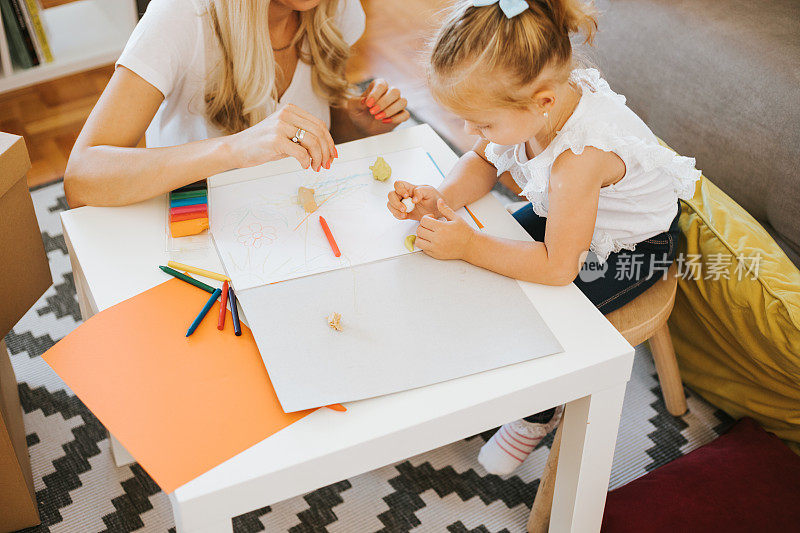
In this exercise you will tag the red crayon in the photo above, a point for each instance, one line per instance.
(329, 235)
(223, 307)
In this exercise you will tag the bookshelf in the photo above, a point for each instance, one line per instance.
(83, 34)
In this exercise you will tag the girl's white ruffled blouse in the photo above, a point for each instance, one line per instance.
(640, 205)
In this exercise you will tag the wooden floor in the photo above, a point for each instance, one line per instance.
(50, 115)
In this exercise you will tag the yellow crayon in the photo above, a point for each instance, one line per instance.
(198, 271)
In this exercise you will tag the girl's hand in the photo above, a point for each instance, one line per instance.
(271, 139)
(444, 239)
(379, 109)
(423, 196)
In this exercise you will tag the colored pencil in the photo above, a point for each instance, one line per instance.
(329, 235)
(198, 271)
(188, 201)
(199, 208)
(187, 279)
(178, 195)
(204, 311)
(237, 326)
(223, 307)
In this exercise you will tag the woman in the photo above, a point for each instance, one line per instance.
(221, 84)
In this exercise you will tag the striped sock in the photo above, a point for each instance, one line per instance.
(512, 443)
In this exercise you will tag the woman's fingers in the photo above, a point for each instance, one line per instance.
(389, 97)
(302, 119)
(367, 91)
(310, 143)
(392, 109)
(379, 88)
(398, 118)
(290, 149)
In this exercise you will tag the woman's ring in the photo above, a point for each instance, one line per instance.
(299, 136)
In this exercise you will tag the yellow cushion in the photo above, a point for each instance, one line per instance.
(738, 340)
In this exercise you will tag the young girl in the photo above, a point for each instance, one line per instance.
(221, 84)
(602, 191)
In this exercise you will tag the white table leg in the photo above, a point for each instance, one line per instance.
(584, 464)
(219, 525)
(122, 456)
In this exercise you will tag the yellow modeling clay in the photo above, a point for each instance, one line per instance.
(381, 170)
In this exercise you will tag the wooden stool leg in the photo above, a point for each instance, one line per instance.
(539, 520)
(668, 374)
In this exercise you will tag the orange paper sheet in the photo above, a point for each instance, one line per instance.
(179, 405)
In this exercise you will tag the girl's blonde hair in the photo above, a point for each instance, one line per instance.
(243, 89)
(479, 52)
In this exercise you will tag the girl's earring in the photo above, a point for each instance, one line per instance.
(544, 114)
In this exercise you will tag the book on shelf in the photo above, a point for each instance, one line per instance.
(16, 41)
(25, 42)
(6, 67)
(27, 36)
(30, 9)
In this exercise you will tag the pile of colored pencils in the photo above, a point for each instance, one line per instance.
(225, 293)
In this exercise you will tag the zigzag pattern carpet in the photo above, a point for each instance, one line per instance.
(80, 490)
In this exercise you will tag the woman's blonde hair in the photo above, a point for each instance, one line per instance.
(243, 89)
(479, 52)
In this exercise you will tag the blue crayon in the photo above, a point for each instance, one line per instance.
(203, 311)
(188, 201)
(237, 326)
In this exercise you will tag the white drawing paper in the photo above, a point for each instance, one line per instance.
(264, 236)
(407, 322)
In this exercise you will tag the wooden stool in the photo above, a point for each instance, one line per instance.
(645, 318)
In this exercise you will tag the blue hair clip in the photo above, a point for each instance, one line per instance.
(511, 8)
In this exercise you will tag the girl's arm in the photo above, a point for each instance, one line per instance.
(106, 169)
(575, 183)
(471, 178)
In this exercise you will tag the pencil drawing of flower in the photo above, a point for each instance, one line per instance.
(255, 235)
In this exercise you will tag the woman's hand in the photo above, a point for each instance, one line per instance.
(271, 139)
(379, 109)
(423, 196)
(444, 239)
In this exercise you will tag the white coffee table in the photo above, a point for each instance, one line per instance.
(114, 254)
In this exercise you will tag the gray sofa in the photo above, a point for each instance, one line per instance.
(718, 80)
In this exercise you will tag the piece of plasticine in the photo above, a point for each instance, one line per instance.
(409, 242)
(199, 208)
(178, 195)
(409, 203)
(187, 216)
(188, 201)
(381, 170)
(184, 228)
(305, 197)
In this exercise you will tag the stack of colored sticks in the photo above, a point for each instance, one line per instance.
(188, 210)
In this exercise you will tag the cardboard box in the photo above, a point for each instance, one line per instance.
(26, 275)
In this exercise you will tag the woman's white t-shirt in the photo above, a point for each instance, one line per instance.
(173, 48)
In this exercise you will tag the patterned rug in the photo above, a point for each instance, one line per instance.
(79, 489)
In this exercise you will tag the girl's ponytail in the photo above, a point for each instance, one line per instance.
(573, 16)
